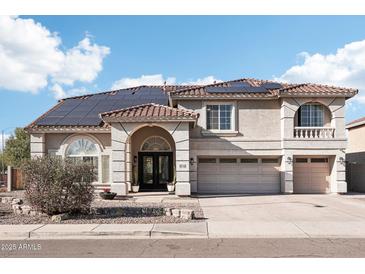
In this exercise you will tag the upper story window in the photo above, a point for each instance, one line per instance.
(311, 115)
(219, 117)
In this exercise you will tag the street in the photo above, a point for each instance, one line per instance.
(171, 248)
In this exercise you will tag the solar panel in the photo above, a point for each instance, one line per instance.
(85, 111)
(48, 121)
(239, 84)
(224, 89)
(89, 121)
(271, 85)
(256, 89)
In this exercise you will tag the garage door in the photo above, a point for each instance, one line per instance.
(241, 175)
(311, 175)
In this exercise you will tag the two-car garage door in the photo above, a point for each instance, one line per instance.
(238, 175)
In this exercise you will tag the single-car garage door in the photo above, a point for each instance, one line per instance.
(238, 175)
(311, 175)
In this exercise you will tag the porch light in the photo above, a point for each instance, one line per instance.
(341, 160)
(191, 161)
(134, 159)
(289, 160)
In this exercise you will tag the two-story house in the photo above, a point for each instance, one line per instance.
(241, 136)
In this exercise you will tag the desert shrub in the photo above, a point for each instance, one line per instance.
(54, 185)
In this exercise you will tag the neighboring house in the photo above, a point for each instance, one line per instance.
(242, 136)
(355, 155)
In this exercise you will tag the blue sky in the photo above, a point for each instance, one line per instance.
(118, 50)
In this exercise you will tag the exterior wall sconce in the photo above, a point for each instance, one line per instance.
(191, 161)
(134, 159)
(289, 160)
(342, 161)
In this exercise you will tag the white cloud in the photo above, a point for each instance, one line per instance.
(159, 79)
(28, 54)
(345, 68)
(155, 79)
(31, 55)
(82, 63)
(60, 93)
(202, 81)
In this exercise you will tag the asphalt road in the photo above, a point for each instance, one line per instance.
(163, 248)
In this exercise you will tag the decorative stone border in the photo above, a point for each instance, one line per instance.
(180, 213)
(19, 208)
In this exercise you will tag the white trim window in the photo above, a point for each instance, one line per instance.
(311, 115)
(219, 117)
(84, 150)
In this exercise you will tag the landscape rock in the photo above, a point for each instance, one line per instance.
(59, 217)
(186, 213)
(17, 201)
(15, 207)
(26, 209)
(175, 212)
(168, 212)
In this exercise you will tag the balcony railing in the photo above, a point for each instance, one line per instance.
(314, 132)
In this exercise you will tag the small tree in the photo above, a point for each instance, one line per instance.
(17, 148)
(54, 185)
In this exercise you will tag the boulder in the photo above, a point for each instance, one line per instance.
(26, 209)
(59, 217)
(186, 214)
(168, 212)
(175, 212)
(17, 201)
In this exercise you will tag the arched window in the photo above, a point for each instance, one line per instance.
(155, 143)
(311, 115)
(84, 150)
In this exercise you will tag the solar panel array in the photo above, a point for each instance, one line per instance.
(240, 87)
(84, 111)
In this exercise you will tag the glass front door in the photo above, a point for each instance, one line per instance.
(155, 170)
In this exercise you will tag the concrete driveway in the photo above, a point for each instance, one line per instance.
(285, 215)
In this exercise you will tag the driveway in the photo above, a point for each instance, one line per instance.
(285, 215)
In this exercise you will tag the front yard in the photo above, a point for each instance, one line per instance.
(133, 210)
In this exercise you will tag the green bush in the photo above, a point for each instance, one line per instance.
(54, 185)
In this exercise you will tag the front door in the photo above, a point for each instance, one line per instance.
(155, 170)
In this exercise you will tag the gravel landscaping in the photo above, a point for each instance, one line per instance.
(135, 211)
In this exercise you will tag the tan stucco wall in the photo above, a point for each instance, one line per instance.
(259, 119)
(356, 140)
(255, 119)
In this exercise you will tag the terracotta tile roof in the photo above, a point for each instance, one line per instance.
(285, 90)
(356, 123)
(102, 127)
(149, 112)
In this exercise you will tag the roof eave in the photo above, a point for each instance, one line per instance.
(144, 119)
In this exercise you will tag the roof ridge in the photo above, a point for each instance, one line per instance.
(125, 89)
(144, 105)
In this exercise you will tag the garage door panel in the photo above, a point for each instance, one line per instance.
(311, 177)
(238, 177)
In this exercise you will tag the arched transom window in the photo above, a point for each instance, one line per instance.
(156, 143)
(84, 150)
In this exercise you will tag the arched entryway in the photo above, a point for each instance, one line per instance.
(152, 151)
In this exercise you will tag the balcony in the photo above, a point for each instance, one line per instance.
(314, 133)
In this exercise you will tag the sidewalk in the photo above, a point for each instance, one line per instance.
(209, 229)
(92, 231)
